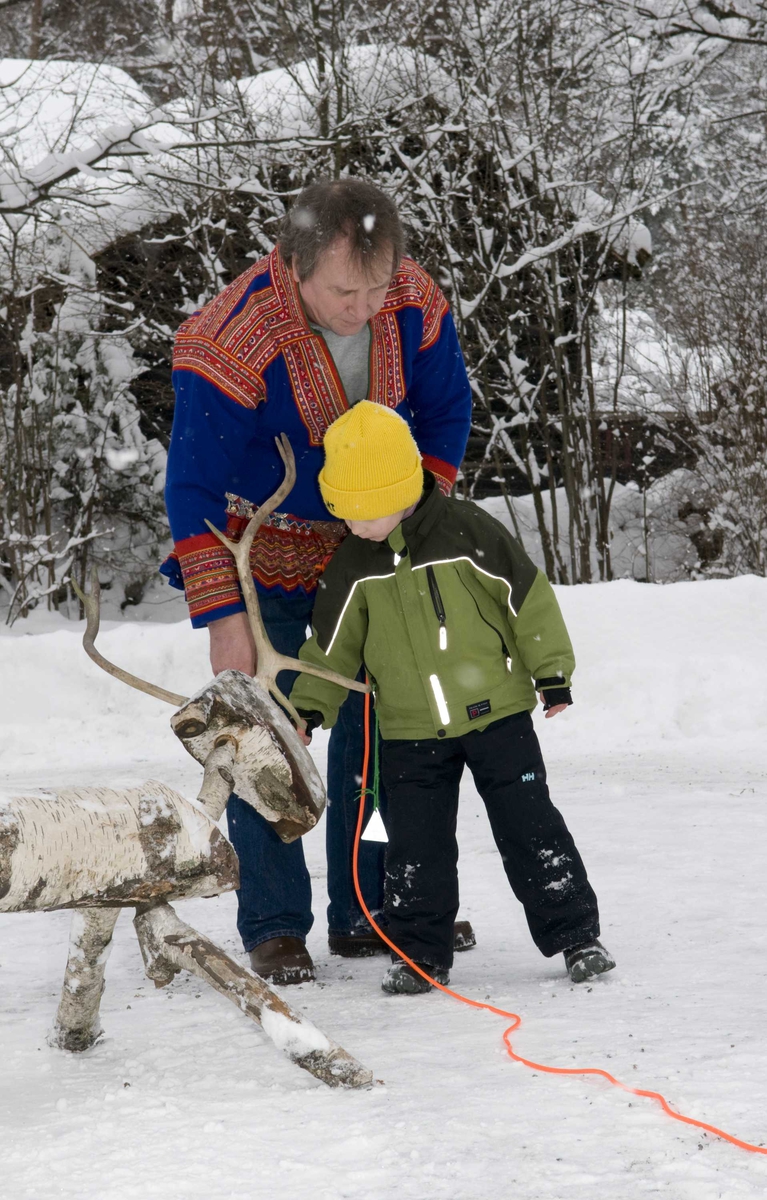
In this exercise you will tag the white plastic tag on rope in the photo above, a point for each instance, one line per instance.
(374, 830)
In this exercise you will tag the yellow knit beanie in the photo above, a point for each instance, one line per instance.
(372, 464)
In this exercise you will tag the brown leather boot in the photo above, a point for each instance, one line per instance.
(365, 942)
(464, 937)
(282, 960)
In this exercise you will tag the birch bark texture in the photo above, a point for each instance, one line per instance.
(102, 847)
(272, 770)
(77, 1025)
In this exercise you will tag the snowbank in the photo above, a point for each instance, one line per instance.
(654, 663)
(46, 681)
(648, 541)
(57, 106)
(659, 663)
(283, 103)
(54, 117)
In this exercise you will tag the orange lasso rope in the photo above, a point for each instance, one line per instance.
(515, 1019)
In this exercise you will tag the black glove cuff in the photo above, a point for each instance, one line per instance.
(312, 719)
(556, 681)
(555, 695)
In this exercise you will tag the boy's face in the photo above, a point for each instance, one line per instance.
(379, 530)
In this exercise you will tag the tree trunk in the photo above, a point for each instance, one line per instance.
(35, 28)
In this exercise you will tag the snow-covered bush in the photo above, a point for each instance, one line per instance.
(79, 477)
(697, 369)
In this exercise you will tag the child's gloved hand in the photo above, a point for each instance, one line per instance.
(555, 700)
(311, 720)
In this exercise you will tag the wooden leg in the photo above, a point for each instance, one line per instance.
(168, 946)
(77, 1022)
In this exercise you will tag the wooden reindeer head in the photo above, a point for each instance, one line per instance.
(270, 767)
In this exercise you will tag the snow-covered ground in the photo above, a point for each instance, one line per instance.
(661, 770)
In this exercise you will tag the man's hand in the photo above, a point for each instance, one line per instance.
(231, 645)
(555, 708)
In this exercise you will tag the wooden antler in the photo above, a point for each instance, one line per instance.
(92, 604)
(268, 662)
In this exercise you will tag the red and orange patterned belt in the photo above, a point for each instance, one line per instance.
(288, 551)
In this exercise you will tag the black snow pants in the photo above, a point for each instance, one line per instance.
(543, 866)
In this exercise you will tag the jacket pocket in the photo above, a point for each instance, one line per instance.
(503, 646)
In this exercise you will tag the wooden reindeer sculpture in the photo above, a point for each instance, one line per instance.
(98, 850)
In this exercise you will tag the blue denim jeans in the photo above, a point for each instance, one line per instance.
(275, 895)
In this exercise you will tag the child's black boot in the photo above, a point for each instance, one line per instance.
(402, 980)
(587, 960)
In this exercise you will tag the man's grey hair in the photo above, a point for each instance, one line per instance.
(354, 209)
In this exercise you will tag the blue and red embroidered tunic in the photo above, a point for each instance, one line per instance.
(249, 367)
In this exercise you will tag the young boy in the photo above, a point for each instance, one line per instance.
(453, 622)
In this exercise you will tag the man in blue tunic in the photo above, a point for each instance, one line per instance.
(335, 314)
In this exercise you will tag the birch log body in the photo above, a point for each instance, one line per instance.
(97, 846)
(273, 771)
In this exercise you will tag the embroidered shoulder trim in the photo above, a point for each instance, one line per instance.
(209, 321)
(235, 337)
(412, 287)
(233, 340)
(202, 341)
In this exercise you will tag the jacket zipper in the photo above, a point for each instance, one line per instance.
(439, 607)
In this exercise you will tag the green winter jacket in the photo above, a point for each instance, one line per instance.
(450, 618)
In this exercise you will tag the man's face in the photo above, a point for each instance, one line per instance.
(379, 529)
(339, 295)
